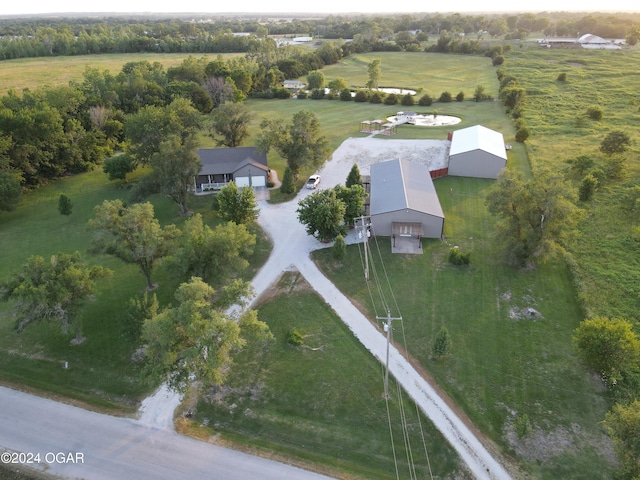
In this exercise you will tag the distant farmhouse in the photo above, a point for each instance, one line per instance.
(588, 41)
(246, 166)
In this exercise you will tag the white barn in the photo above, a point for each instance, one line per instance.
(477, 152)
(404, 201)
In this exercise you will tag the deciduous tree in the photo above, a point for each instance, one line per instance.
(322, 214)
(196, 339)
(230, 122)
(133, 234)
(538, 218)
(299, 142)
(353, 198)
(10, 189)
(373, 69)
(52, 290)
(623, 425)
(615, 142)
(608, 346)
(213, 254)
(174, 166)
(315, 80)
(119, 166)
(237, 205)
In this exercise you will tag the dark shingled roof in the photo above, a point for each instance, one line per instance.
(228, 160)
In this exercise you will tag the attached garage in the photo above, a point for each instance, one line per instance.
(404, 202)
(477, 152)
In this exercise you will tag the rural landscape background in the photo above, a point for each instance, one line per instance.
(520, 381)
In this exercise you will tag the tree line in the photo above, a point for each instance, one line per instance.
(20, 38)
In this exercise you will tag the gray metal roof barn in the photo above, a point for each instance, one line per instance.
(404, 201)
(477, 152)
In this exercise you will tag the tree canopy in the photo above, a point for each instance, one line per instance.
(213, 254)
(231, 122)
(132, 234)
(322, 214)
(52, 290)
(609, 347)
(299, 142)
(196, 339)
(174, 165)
(538, 218)
(237, 205)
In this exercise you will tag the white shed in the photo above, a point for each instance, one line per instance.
(477, 152)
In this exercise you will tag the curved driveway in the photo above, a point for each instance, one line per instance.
(148, 448)
(291, 247)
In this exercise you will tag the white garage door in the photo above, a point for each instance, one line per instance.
(258, 181)
(242, 181)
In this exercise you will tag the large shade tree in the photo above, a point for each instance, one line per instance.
(322, 214)
(174, 166)
(196, 339)
(537, 218)
(52, 289)
(237, 205)
(213, 254)
(133, 234)
(299, 142)
(230, 124)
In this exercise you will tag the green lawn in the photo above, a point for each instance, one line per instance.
(33, 73)
(321, 403)
(101, 371)
(431, 73)
(505, 365)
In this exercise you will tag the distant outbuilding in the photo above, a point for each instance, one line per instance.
(477, 152)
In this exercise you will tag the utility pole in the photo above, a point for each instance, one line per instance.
(387, 328)
(365, 234)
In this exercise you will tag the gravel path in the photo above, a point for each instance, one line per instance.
(291, 248)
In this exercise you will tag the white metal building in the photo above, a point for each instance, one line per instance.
(477, 152)
(404, 201)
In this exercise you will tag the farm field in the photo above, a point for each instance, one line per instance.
(56, 71)
(607, 256)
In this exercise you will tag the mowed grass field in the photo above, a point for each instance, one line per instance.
(506, 369)
(33, 73)
(322, 402)
(101, 370)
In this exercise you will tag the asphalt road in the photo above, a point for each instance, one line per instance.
(79, 444)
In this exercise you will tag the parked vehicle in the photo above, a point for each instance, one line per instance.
(313, 182)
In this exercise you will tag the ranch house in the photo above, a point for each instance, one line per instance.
(246, 166)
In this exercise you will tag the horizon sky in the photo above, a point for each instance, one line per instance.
(292, 6)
